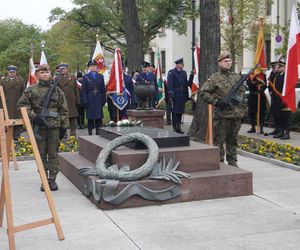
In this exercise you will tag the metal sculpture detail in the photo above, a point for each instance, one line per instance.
(110, 177)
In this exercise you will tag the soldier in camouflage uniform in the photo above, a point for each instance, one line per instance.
(33, 99)
(227, 122)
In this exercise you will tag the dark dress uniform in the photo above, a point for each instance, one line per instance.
(33, 99)
(272, 79)
(149, 78)
(93, 98)
(129, 85)
(13, 90)
(178, 95)
(68, 84)
(281, 114)
(256, 88)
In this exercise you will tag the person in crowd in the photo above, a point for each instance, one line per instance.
(68, 84)
(257, 88)
(149, 78)
(13, 87)
(227, 118)
(93, 97)
(80, 107)
(178, 93)
(282, 114)
(271, 82)
(57, 123)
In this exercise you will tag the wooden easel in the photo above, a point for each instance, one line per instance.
(6, 133)
(6, 116)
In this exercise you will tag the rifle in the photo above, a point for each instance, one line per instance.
(45, 112)
(231, 98)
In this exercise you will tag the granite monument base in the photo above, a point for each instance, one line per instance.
(208, 178)
(150, 118)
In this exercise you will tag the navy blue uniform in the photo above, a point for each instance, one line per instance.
(93, 98)
(129, 85)
(178, 94)
(149, 78)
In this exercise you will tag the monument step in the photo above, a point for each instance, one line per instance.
(227, 181)
(193, 158)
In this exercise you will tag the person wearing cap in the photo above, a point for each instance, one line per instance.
(281, 113)
(93, 97)
(271, 82)
(178, 93)
(13, 87)
(226, 122)
(68, 84)
(146, 76)
(58, 120)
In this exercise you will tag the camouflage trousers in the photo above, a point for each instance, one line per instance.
(225, 131)
(48, 148)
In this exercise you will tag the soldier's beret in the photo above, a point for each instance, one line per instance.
(179, 61)
(43, 67)
(223, 55)
(63, 65)
(11, 68)
(145, 64)
(91, 63)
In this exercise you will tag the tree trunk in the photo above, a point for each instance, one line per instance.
(209, 52)
(133, 35)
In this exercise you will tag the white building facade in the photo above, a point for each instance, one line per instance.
(173, 46)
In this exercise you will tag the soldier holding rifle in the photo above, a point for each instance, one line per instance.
(228, 114)
(52, 125)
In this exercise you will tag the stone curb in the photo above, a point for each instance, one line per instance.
(270, 160)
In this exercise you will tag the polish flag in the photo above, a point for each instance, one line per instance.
(195, 84)
(32, 79)
(115, 83)
(292, 73)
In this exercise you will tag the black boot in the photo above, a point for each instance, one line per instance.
(286, 135)
(97, 131)
(252, 130)
(90, 131)
(261, 130)
(179, 129)
(279, 134)
(53, 185)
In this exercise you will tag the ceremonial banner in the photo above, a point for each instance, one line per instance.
(98, 56)
(32, 79)
(195, 84)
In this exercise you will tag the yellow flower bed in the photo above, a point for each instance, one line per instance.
(282, 152)
(24, 148)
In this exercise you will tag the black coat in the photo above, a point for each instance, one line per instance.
(277, 105)
(178, 89)
(253, 96)
(93, 95)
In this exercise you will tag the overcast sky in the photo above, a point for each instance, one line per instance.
(32, 11)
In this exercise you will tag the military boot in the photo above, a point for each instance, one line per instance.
(286, 135)
(233, 163)
(90, 131)
(97, 131)
(279, 134)
(179, 129)
(53, 185)
(251, 130)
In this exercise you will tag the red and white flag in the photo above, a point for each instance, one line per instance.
(32, 79)
(78, 84)
(195, 84)
(115, 83)
(292, 72)
(98, 56)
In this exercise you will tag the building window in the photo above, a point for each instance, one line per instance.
(163, 61)
(152, 57)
